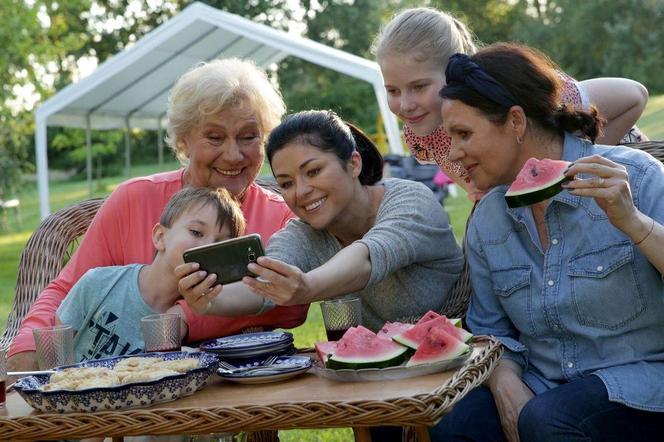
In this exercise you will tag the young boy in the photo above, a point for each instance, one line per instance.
(106, 304)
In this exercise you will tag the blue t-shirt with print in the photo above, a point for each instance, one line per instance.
(105, 308)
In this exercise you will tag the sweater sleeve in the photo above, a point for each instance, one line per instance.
(291, 245)
(101, 246)
(411, 227)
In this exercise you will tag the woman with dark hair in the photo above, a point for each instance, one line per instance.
(572, 286)
(387, 241)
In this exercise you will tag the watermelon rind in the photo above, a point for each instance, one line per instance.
(395, 357)
(362, 348)
(536, 194)
(438, 346)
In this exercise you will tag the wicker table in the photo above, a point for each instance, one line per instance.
(307, 401)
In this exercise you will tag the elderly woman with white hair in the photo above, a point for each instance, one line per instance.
(219, 115)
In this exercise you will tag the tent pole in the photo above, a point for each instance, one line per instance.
(389, 120)
(42, 166)
(88, 160)
(127, 149)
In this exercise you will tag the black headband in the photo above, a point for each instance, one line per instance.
(461, 69)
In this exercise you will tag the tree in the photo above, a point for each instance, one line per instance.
(601, 38)
(349, 26)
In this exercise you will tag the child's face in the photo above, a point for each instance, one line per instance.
(412, 91)
(197, 226)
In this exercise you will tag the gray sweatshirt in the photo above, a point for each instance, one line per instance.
(415, 259)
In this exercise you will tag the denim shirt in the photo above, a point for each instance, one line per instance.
(590, 304)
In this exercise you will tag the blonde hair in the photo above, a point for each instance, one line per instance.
(426, 34)
(227, 208)
(209, 88)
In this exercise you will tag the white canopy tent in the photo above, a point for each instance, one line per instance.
(131, 88)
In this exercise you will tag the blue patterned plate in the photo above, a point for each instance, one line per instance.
(247, 341)
(248, 344)
(285, 367)
(131, 395)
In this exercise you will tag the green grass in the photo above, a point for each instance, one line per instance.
(652, 120)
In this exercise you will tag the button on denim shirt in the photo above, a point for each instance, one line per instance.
(591, 303)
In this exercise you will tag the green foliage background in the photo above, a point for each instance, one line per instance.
(43, 39)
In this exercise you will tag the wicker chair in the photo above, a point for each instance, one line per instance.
(44, 255)
(46, 252)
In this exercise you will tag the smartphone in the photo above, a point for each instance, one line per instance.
(227, 259)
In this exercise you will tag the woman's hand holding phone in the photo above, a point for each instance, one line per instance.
(197, 287)
(280, 282)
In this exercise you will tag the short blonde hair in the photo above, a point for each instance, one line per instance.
(426, 34)
(209, 88)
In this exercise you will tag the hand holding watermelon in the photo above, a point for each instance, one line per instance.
(609, 186)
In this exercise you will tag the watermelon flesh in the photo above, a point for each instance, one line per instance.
(537, 181)
(415, 336)
(433, 315)
(437, 346)
(391, 329)
(325, 349)
(361, 348)
(428, 316)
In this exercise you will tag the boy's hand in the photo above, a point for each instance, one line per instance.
(197, 287)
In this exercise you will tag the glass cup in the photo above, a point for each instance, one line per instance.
(3, 377)
(340, 314)
(54, 345)
(161, 332)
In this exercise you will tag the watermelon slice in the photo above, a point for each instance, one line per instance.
(428, 316)
(325, 349)
(433, 315)
(437, 346)
(537, 181)
(415, 336)
(391, 329)
(361, 348)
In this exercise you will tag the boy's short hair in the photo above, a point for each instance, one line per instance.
(228, 209)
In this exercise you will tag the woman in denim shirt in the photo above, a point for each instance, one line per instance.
(572, 286)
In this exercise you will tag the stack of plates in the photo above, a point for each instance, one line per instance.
(245, 347)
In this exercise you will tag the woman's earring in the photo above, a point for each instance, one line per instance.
(519, 140)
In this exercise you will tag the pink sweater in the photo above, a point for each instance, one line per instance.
(120, 234)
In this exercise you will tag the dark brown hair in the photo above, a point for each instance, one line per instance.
(326, 131)
(536, 84)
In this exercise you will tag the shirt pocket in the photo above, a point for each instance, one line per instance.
(513, 287)
(605, 291)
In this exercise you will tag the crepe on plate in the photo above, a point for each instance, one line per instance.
(133, 369)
